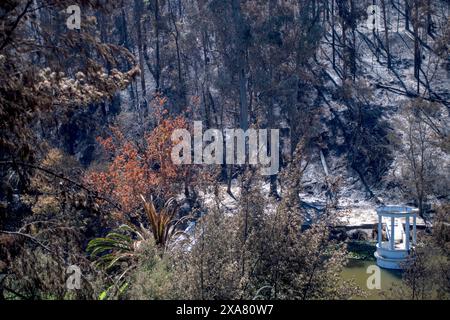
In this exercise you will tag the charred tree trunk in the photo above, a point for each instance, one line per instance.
(333, 33)
(138, 7)
(407, 13)
(386, 34)
(240, 47)
(417, 54)
(157, 47)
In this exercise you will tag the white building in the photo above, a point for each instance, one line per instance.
(396, 221)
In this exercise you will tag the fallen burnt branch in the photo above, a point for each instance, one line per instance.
(410, 94)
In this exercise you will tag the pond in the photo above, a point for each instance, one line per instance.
(357, 269)
(361, 253)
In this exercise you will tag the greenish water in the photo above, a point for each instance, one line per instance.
(357, 269)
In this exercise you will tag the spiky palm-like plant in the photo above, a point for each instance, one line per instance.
(163, 224)
(123, 243)
(116, 246)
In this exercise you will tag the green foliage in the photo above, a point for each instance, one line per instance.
(361, 250)
(113, 248)
(153, 277)
(262, 253)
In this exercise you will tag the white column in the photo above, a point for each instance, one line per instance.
(407, 233)
(380, 230)
(414, 230)
(392, 242)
